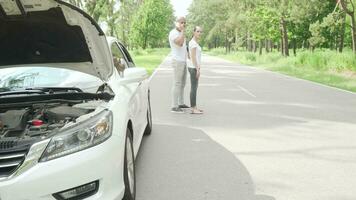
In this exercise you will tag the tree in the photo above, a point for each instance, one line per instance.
(124, 19)
(96, 8)
(78, 3)
(152, 23)
(349, 8)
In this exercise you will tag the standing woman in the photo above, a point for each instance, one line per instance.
(194, 68)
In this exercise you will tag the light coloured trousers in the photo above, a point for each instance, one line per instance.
(180, 77)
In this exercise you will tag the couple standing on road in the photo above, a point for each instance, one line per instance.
(180, 54)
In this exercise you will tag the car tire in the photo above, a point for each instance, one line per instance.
(129, 168)
(148, 128)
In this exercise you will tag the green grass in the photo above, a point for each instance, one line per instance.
(149, 58)
(322, 66)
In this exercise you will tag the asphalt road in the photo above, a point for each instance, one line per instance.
(263, 136)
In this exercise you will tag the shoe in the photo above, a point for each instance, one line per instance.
(183, 106)
(177, 110)
(196, 111)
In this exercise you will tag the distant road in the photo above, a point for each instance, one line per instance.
(263, 136)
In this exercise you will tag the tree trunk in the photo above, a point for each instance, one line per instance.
(351, 13)
(285, 37)
(353, 27)
(267, 45)
(236, 41)
(249, 42)
(254, 44)
(294, 47)
(145, 43)
(278, 46)
(246, 42)
(342, 34)
(282, 43)
(226, 43)
(251, 45)
(260, 46)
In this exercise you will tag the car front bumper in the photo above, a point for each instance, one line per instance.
(103, 163)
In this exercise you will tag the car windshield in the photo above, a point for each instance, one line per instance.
(19, 78)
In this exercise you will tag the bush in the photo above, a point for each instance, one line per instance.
(138, 52)
(327, 60)
(250, 57)
(217, 51)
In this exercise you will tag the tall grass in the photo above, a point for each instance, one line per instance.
(327, 60)
(149, 58)
(323, 65)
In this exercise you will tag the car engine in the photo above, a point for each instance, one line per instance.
(38, 120)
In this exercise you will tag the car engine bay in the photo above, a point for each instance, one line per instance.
(41, 120)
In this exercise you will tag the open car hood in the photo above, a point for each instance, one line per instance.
(52, 33)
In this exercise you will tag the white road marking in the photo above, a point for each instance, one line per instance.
(247, 92)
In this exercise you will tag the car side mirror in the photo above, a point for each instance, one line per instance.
(123, 63)
(134, 74)
(118, 65)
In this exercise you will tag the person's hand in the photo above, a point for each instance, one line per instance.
(198, 73)
(180, 26)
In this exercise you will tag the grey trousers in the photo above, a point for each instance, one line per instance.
(180, 77)
(193, 86)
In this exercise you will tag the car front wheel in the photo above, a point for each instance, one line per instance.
(129, 169)
(148, 128)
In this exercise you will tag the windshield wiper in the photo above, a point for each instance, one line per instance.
(52, 90)
(17, 92)
(40, 90)
(4, 89)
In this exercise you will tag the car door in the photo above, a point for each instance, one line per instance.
(141, 92)
(133, 88)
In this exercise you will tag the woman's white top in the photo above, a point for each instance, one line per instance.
(193, 44)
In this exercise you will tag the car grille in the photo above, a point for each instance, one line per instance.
(10, 160)
(7, 144)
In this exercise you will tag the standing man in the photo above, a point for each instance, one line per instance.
(177, 42)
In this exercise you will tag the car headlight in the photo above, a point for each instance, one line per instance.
(84, 135)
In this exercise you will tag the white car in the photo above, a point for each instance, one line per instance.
(73, 106)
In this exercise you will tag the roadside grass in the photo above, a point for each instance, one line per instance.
(149, 58)
(323, 66)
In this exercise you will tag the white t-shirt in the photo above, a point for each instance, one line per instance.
(179, 53)
(193, 44)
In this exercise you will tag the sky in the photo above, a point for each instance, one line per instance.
(181, 7)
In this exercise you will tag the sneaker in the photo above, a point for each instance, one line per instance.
(196, 111)
(177, 110)
(183, 106)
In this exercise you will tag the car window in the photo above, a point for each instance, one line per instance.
(127, 54)
(119, 58)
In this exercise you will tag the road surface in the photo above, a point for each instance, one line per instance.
(263, 136)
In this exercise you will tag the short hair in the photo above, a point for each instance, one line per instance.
(196, 28)
(180, 18)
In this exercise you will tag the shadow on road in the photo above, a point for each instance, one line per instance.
(179, 163)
